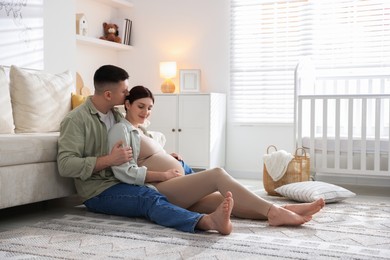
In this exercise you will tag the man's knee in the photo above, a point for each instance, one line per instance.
(154, 195)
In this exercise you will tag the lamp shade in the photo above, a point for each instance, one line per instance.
(168, 69)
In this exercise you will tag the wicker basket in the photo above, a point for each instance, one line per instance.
(298, 170)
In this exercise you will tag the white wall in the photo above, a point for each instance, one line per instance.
(195, 34)
(59, 30)
(246, 146)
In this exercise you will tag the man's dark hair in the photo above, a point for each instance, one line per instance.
(106, 75)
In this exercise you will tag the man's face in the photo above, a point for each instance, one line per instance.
(119, 93)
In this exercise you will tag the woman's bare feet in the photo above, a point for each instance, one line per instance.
(306, 209)
(279, 216)
(219, 220)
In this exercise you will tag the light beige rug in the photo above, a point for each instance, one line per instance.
(346, 230)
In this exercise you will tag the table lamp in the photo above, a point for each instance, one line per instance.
(168, 71)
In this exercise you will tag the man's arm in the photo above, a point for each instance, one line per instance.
(71, 159)
(71, 143)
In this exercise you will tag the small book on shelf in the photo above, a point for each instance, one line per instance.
(124, 29)
(128, 31)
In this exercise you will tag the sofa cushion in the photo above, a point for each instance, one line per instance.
(26, 148)
(6, 120)
(39, 100)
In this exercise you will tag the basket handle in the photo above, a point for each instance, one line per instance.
(303, 151)
(270, 147)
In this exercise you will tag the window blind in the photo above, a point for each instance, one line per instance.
(22, 34)
(268, 38)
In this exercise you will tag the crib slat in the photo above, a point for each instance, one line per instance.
(337, 136)
(388, 142)
(350, 135)
(325, 133)
(300, 115)
(377, 134)
(312, 132)
(363, 150)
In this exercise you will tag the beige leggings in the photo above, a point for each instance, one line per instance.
(202, 192)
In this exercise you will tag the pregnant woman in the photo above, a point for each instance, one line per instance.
(201, 192)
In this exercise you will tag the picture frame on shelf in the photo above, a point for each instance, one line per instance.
(189, 80)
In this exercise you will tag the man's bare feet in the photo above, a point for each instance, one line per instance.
(219, 220)
(278, 216)
(306, 209)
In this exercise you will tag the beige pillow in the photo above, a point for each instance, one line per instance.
(6, 120)
(39, 100)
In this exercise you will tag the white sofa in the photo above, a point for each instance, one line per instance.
(32, 105)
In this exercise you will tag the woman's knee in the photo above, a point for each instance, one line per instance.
(220, 172)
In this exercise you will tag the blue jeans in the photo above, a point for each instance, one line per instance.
(140, 201)
(186, 167)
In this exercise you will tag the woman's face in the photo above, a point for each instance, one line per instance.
(139, 111)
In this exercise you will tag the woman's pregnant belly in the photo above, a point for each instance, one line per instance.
(161, 161)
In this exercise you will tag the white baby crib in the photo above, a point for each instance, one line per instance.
(347, 135)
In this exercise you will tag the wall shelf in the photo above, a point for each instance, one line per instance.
(117, 3)
(85, 40)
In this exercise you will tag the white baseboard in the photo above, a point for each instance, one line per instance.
(246, 174)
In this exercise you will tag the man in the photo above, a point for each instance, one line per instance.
(83, 155)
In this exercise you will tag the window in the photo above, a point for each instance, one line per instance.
(268, 38)
(21, 30)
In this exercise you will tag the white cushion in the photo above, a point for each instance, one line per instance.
(28, 148)
(39, 100)
(6, 119)
(308, 191)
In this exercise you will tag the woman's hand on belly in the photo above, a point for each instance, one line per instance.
(163, 163)
(172, 173)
